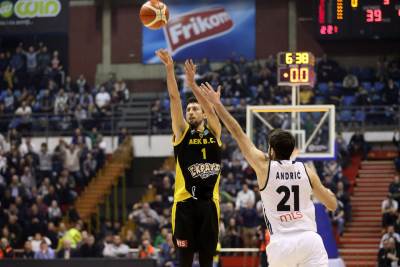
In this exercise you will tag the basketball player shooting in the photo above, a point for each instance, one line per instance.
(286, 187)
(197, 150)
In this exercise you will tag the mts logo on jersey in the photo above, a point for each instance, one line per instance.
(202, 141)
(288, 217)
(182, 243)
(195, 27)
(204, 170)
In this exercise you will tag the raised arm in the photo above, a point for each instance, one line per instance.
(212, 118)
(178, 120)
(322, 193)
(254, 156)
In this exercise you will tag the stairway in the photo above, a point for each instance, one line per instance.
(360, 241)
(101, 185)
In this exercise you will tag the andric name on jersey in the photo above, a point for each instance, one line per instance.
(204, 170)
(288, 217)
(288, 175)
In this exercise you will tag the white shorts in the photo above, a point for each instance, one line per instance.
(302, 249)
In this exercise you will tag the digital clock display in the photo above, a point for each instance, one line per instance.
(289, 58)
(296, 75)
(357, 19)
(296, 68)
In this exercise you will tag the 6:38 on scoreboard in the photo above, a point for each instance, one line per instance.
(296, 68)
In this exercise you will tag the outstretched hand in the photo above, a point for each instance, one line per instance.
(165, 57)
(190, 71)
(208, 91)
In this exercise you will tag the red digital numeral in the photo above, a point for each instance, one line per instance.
(335, 29)
(328, 29)
(386, 2)
(322, 30)
(374, 15)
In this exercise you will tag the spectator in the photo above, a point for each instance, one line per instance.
(103, 99)
(327, 69)
(81, 84)
(54, 212)
(161, 237)
(31, 60)
(167, 254)
(394, 188)
(122, 135)
(45, 253)
(117, 249)
(28, 252)
(388, 254)
(232, 239)
(350, 84)
(45, 163)
(146, 218)
(390, 234)
(131, 240)
(52, 234)
(67, 252)
(389, 211)
(248, 219)
(6, 251)
(245, 198)
(358, 144)
(61, 103)
(391, 93)
(43, 59)
(146, 250)
(338, 218)
(89, 249)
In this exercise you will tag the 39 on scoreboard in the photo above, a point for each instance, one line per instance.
(296, 68)
(357, 19)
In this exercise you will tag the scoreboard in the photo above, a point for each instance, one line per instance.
(296, 68)
(357, 19)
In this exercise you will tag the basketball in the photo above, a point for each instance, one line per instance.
(154, 14)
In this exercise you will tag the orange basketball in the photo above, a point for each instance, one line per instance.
(154, 14)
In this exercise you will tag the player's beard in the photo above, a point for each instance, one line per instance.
(195, 123)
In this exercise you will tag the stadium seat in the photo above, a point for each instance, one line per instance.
(322, 88)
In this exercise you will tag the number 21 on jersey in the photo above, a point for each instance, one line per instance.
(282, 206)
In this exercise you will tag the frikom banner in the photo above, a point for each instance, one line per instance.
(33, 16)
(217, 30)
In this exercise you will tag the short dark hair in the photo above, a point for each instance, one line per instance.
(191, 100)
(282, 142)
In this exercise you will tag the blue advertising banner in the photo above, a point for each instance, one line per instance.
(218, 30)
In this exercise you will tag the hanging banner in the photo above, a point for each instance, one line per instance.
(216, 30)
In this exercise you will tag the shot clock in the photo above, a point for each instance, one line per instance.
(296, 68)
(357, 19)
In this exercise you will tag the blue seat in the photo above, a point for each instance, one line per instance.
(348, 100)
(345, 116)
(379, 86)
(367, 86)
(359, 116)
(322, 88)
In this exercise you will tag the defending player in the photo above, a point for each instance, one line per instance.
(285, 187)
(197, 149)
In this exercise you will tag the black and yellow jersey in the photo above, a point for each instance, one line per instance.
(198, 165)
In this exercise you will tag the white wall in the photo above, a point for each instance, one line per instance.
(161, 145)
